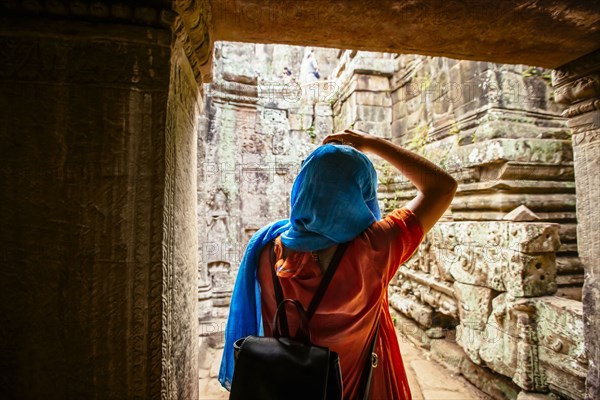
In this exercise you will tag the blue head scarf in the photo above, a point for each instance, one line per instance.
(334, 199)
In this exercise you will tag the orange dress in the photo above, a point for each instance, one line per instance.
(345, 319)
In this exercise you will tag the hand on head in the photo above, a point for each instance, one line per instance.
(357, 139)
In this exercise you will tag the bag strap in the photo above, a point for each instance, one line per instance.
(335, 260)
(278, 293)
(333, 264)
(370, 364)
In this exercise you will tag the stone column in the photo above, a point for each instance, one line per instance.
(97, 205)
(578, 85)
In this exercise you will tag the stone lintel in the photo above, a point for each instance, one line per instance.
(547, 34)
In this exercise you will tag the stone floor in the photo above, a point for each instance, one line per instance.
(428, 380)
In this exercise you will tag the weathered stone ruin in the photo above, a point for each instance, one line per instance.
(118, 212)
(497, 284)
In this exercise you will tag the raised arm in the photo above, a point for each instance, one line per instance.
(436, 187)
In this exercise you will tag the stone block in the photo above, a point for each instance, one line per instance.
(474, 304)
(398, 128)
(560, 329)
(499, 352)
(323, 110)
(238, 89)
(370, 64)
(323, 126)
(408, 91)
(243, 74)
(474, 265)
(429, 290)
(269, 116)
(521, 214)
(448, 353)
(409, 107)
(421, 313)
(563, 375)
(548, 151)
(470, 340)
(406, 327)
(523, 395)
(523, 328)
(374, 114)
(471, 100)
(404, 125)
(495, 385)
(371, 83)
(527, 171)
(382, 129)
(530, 275)
(453, 357)
(570, 292)
(300, 121)
(506, 201)
(526, 237)
(379, 99)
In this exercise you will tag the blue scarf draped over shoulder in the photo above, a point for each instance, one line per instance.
(333, 200)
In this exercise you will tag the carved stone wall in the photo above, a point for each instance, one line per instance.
(259, 126)
(479, 287)
(180, 347)
(497, 130)
(98, 251)
(578, 85)
(82, 222)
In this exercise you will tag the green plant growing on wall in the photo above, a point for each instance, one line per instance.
(454, 130)
(390, 204)
(386, 174)
(536, 71)
(419, 139)
(312, 133)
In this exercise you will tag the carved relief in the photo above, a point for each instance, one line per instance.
(217, 220)
(581, 89)
(221, 280)
(217, 250)
(253, 144)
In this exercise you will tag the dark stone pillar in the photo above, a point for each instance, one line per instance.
(97, 210)
(578, 85)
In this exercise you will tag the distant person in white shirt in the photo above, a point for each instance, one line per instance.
(311, 66)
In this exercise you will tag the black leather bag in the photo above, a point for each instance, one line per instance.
(278, 368)
(284, 368)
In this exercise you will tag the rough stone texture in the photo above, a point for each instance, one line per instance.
(561, 344)
(180, 348)
(475, 306)
(538, 342)
(512, 323)
(89, 252)
(363, 101)
(496, 129)
(544, 33)
(577, 85)
(500, 255)
(521, 214)
(259, 128)
(453, 357)
(535, 396)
